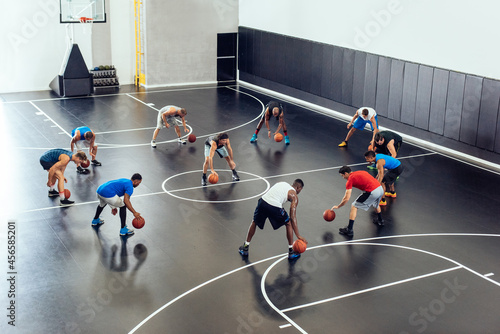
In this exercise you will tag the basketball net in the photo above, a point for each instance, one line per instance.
(87, 24)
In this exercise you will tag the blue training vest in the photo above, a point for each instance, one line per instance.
(390, 162)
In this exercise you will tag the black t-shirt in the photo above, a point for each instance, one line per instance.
(388, 136)
(271, 105)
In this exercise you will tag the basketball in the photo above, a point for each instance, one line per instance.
(67, 193)
(191, 138)
(85, 164)
(299, 246)
(213, 178)
(278, 137)
(329, 215)
(138, 222)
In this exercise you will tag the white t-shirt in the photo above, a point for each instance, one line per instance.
(371, 113)
(278, 194)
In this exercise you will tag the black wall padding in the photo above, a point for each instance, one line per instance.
(455, 105)
(438, 101)
(383, 81)
(358, 81)
(395, 90)
(470, 111)
(423, 102)
(410, 80)
(488, 114)
(370, 88)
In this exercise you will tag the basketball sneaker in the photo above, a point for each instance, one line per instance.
(287, 140)
(98, 221)
(292, 255)
(236, 177)
(203, 180)
(66, 202)
(389, 194)
(382, 202)
(243, 250)
(372, 166)
(181, 141)
(126, 231)
(343, 144)
(153, 143)
(254, 138)
(96, 163)
(378, 222)
(346, 231)
(53, 193)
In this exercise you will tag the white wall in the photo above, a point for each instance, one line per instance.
(181, 39)
(33, 43)
(456, 35)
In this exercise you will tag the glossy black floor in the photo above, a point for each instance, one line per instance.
(433, 268)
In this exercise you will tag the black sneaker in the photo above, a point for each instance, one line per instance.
(81, 170)
(293, 255)
(236, 177)
(66, 202)
(244, 250)
(378, 222)
(53, 193)
(203, 180)
(346, 231)
(96, 163)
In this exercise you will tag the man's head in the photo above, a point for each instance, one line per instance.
(345, 171)
(298, 184)
(379, 138)
(276, 111)
(183, 112)
(79, 157)
(370, 156)
(89, 135)
(222, 138)
(136, 179)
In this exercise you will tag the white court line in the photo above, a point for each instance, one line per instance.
(219, 184)
(44, 114)
(370, 289)
(488, 275)
(285, 326)
(314, 247)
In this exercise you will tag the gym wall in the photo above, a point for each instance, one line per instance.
(456, 105)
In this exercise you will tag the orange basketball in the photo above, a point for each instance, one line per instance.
(138, 222)
(191, 138)
(278, 137)
(299, 246)
(85, 163)
(67, 193)
(213, 178)
(329, 215)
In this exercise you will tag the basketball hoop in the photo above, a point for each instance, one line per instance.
(86, 20)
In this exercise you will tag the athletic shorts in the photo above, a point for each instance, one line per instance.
(81, 144)
(367, 199)
(172, 121)
(113, 202)
(392, 174)
(47, 164)
(360, 123)
(222, 152)
(277, 216)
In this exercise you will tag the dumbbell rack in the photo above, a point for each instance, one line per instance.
(105, 78)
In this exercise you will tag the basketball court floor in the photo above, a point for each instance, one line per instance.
(433, 267)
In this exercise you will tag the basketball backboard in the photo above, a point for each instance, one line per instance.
(73, 10)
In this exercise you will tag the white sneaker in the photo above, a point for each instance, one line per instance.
(182, 141)
(153, 143)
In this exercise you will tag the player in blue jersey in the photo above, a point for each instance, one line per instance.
(84, 137)
(55, 162)
(394, 169)
(111, 193)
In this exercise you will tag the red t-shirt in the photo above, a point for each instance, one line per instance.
(362, 180)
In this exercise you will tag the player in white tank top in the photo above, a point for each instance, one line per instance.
(278, 194)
